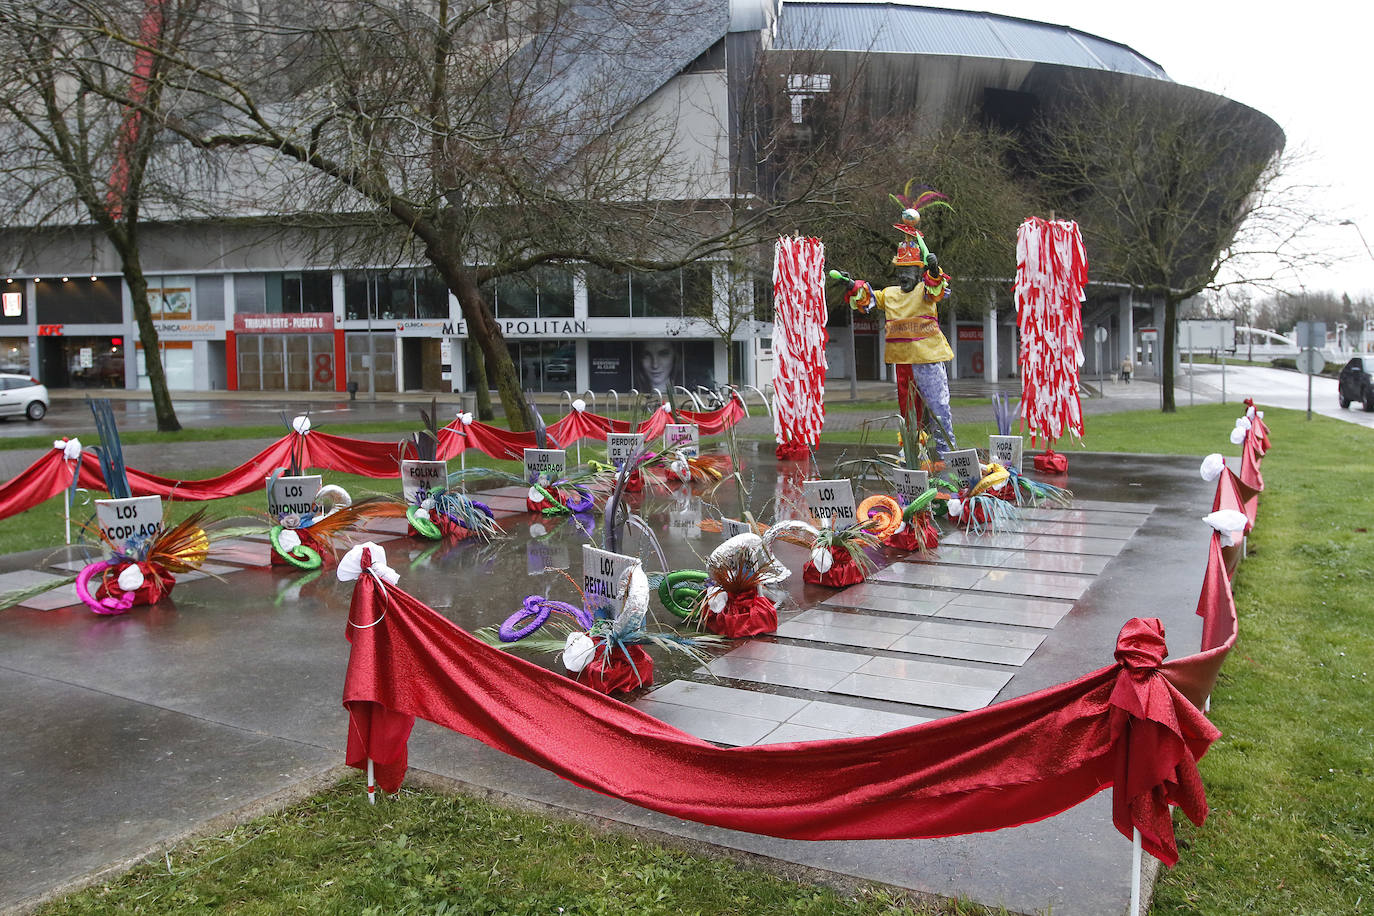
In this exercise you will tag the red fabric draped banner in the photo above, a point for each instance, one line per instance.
(1124, 725)
(51, 473)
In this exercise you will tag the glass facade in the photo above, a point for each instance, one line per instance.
(391, 295)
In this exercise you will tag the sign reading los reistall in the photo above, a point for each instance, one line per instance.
(419, 477)
(620, 447)
(1007, 451)
(831, 501)
(908, 483)
(548, 463)
(963, 464)
(682, 437)
(294, 495)
(135, 517)
(601, 572)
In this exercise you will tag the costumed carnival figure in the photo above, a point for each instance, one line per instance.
(915, 344)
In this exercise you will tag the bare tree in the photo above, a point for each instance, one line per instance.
(76, 157)
(492, 135)
(1176, 191)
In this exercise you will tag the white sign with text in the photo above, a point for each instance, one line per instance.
(419, 477)
(831, 501)
(730, 527)
(910, 484)
(1007, 451)
(294, 496)
(963, 464)
(601, 572)
(136, 517)
(620, 447)
(682, 437)
(547, 462)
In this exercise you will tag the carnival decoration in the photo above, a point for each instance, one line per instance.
(988, 504)
(799, 339)
(602, 648)
(1051, 273)
(915, 344)
(838, 555)
(725, 599)
(902, 523)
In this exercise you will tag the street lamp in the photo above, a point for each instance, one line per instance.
(1351, 223)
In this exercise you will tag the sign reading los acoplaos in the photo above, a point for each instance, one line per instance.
(137, 517)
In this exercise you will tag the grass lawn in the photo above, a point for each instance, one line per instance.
(425, 852)
(1289, 783)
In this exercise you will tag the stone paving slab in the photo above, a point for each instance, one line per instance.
(891, 597)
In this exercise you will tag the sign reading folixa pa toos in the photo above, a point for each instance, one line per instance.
(136, 517)
(294, 496)
(418, 478)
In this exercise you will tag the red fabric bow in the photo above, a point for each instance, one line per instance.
(746, 614)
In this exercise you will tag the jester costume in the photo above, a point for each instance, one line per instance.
(915, 344)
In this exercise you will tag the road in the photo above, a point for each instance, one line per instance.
(1278, 388)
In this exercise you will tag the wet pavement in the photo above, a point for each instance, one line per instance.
(127, 732)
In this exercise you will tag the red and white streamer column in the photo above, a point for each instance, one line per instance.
(799, 339)
(1051, 272)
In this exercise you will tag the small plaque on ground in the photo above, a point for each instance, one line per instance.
(419, 477)
(138, 517)
(910, 484)
(294, 495)
(601, 572)
(550, 463)
(682, 437)
(621, 446)
(730, 527)
(1007, 451)
(963, 464)
(832, 501)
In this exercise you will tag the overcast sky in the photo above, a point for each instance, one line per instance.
(1309, 66)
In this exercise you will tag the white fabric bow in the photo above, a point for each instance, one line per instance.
(578, 651)
(579, 405)
(301, 424)
(1229, 523)
(351, 565)
(1237, 436)
(131, 579)
(1212, 466)
(465, 418)
(1243, 423)
(71, 448)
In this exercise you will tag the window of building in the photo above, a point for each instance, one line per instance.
(297, 291)
(608, 294)
(210, 298)
(395, 294)
(171, 298)
(79, 300)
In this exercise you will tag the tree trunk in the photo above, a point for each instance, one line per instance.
(1166, 377)
(481, 388)
(147, 336)
(483, 329)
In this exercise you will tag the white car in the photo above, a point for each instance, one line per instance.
(21, 396)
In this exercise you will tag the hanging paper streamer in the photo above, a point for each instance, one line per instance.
(799, 339)
(1051, 271)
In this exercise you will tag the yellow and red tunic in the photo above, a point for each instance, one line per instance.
(913, 327)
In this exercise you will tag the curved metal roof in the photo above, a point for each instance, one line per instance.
(902, 28)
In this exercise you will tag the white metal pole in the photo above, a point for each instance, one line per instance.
(1135, 870)
(67, 513)
(372, 792)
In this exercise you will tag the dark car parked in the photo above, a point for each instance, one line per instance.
(1355, 385)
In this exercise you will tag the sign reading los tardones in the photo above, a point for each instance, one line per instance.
(832, 501)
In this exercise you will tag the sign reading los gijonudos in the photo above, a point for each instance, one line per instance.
(908, 483)
(621, 446)
(832, 501)
(682, 437)
(294, 496)
(550, 463)
(1007, 451)
(138, 517)
(601, 572)
(963, 464)
(419, 477)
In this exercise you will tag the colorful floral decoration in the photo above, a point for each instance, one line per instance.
(309, 540)
(989, 504)
(838, 556)
(602, 648)
(1051, 273)
(799, 339)
(902, 524)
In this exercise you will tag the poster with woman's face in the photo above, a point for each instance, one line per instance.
(662, 364)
